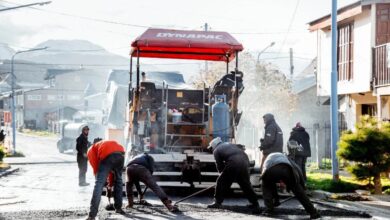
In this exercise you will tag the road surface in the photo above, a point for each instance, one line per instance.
(46, 187)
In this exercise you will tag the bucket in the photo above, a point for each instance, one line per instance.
(176, 117)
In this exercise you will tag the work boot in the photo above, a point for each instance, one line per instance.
(110, 207)
(120, 211)
(277, 203)
(170, 207)
(215, 205)
(268, 212)
(144, 202)
(255, 208)
(315, 215)
(130, 205)
(90, 218)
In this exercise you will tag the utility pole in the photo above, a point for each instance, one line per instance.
(13, 101)
(291, 63)
(262, 51)
(334, 95)
(206, 65)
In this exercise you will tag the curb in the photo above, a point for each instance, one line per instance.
(374, 211)
(35, 136)
(8, 172)
(337, 204)
(323, 197)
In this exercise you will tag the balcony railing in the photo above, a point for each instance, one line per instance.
(381, 70)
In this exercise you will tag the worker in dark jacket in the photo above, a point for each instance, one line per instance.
(82, 145)
(300, 135)
(141, 168)
(233, 166)
(273, 138)
(278, 167)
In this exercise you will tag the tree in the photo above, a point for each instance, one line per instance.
(369, 148)
(267, 90)
(218, 69)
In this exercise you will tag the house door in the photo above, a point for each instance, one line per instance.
(382, 24)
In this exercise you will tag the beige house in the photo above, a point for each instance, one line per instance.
(363, 74)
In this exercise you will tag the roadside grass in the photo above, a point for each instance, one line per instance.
(317, 180)
(39, 133)
(16, 154)
(4, 166)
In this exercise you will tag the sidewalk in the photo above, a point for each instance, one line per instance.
(378, 206)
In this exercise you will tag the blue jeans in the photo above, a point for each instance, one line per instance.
(114, 162)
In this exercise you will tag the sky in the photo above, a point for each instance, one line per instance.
(114, 24)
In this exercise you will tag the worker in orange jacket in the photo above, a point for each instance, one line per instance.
(106, 158)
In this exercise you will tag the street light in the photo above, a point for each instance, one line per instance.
(258, 55)
(23, 6)
(13, 93)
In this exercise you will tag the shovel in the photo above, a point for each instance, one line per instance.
(194, 194)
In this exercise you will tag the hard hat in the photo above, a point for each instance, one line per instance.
(214, 143)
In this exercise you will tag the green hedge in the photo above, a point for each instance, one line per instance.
(2, 153)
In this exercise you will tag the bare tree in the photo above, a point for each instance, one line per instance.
(267, 90)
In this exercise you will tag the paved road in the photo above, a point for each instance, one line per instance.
(47, 188)
(39, 150)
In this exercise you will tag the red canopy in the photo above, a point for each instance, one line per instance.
(179, 44)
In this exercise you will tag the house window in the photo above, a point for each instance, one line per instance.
(34, 97)
(74, 97)
(52, 82)
(369, 109)
(60, 97)
(345, 52)
(51, 97)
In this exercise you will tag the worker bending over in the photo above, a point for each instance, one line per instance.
(277, 167)
(141, 168)
(106, 158)
(233, 166)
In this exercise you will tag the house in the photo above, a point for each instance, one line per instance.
(64, 94)
(363, 74)
(28, 76)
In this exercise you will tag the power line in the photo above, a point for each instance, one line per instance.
(145, 26)
(84, 17)
(24, 6)
(61, 50)
(279, 58)
(81, 64)
(290, 25)
(92, 50)
(265, 33)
